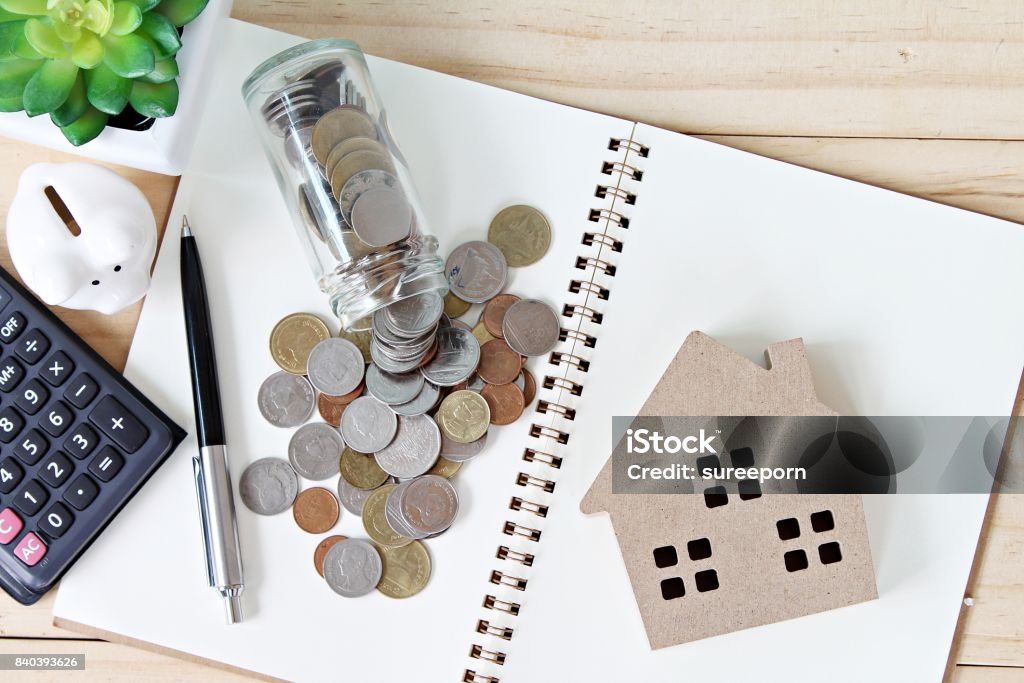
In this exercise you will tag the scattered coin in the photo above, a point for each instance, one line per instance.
(476, 271)
(521, 233)
(285, 400)
(360, 470)
(314, 450)
(361, 338)
(406, 570)
(375, 522)
(455, 307)
(529, 386)
(368, 425)
(352, 568)
(464, 416)
(393, 388)
(445, 468)
(331, 409)
(321, 551)
(268, 486)
(506, 402)
(352, 498)
(316, 510)
(336, 367)
(428, 504)
(499, 364)
(458, 355)
(461, 452)
(424, 401)
(293, 338)
(414, 449)
(481, 334)
(531, 327)
(416, 314)
(494, 312)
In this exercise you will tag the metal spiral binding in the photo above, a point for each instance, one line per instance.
(548, 437)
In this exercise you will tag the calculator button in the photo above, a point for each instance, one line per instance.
(57, 368)
(31, 498)
(32, 447)
(10, 474)
(11, 373)
(5, 298)
(30, 550)
(10, 525)
(11, 424)
(56, 470)
(81, 441)
(82, 391)
(57, 419)
(81, 492)
(106, 464)
(31, 397)
(12, 327)
(32, 346)
(56, 520)
(121, 426)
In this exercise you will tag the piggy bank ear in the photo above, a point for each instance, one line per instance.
(56, 282)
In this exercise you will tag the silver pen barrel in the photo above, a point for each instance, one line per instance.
(220, 531)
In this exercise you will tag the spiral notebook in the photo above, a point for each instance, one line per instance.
(905, 307)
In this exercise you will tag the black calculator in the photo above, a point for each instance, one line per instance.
(77, 441)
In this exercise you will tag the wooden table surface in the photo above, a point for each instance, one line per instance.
(921, 97)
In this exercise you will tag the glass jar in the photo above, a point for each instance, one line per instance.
(346, 185)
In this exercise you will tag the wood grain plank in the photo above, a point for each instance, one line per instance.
(987, 674)
(875, 68)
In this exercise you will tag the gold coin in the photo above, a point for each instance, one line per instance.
(464, 416)
(521, 233)
(445, 468)
(362, 471)
(481, 334)
(376, 523)
(454, 307)
(293, 338)
(354, 162)
(337, 125)
(349, 145)
(361, 338)
(406, 570)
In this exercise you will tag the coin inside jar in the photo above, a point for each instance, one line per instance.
(316, 510)
(464, 416)
(381, 216)
(337, 125)
(499, 364)
(494, 312)
(521, 233)
(505, 401)
(349, 145)
(531, 327)
(321, 551)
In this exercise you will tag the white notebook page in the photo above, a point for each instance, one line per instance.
(473, 150)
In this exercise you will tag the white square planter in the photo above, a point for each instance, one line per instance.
(166, 145)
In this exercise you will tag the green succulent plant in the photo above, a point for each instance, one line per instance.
(82, 61)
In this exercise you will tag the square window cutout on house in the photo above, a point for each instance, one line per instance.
(699, 549)
(673, 588)
(829, 553)
(795, 560)
(788, 528)
(715, 496)
(742, 457)
(823, 521)
(749, 489)
(706, 580)
(665, 556)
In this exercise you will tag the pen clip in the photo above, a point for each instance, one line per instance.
(197, 470)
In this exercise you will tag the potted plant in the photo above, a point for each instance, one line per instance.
(103, 76)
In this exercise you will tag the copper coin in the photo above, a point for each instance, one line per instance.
(499, 364)
(321, 552)
(529, 387)
(330, 410)
(316, 510)
(494, 312)
(506, 402)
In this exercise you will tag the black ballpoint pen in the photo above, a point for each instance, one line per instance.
(210, 466)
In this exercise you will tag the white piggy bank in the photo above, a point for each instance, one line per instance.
(106, 265)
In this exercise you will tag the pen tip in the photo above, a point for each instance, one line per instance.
(186, 229)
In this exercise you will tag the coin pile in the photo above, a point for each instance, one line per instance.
(404, 404)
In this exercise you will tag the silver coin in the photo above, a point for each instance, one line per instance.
(352, 567)
(314, 451)
(476, 271)
(461, 452)
(286, 400)
(429, 505)
(268, 486)
(393, 388)
(393, 515)
(381, 359)
(335, 366)
(530, 327)
(458, 355)
(414, 449)
(352, 498)
(360, 183)
(476, 383)
(461, 323)
(368, 425)
(422, 403)
(381, 216)
(415, 315)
